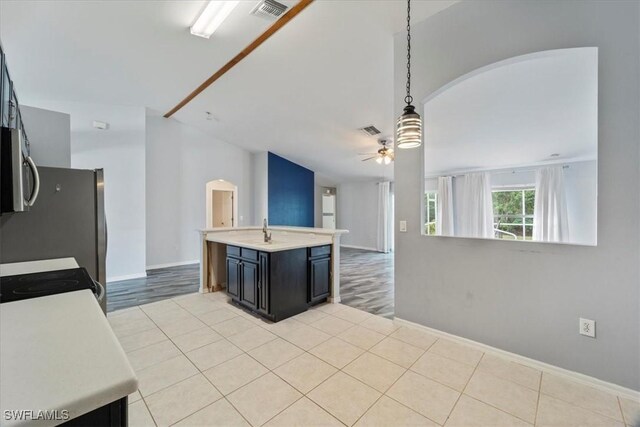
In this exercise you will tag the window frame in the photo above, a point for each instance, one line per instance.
(523, 216)
(425, 213)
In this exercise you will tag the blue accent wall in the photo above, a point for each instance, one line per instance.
(290, 189)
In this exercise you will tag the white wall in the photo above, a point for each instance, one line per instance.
(357, 211)
(581, 183)
(49, 134)
(260, 179)
(118, 150)
(180, 161)
(466, 286)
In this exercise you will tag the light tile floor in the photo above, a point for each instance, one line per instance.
(202, 361)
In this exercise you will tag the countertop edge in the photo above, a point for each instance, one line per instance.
(306, 230)
(266, 248)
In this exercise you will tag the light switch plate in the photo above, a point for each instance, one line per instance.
(403, 226)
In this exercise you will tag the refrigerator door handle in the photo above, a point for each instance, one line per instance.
(98, 291)
(36, 182)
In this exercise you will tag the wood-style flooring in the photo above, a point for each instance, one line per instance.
(160, 284)
(366, 283)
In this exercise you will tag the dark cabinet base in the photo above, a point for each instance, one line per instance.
(112, 415)
(278, 285)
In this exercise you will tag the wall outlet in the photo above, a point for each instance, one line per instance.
(588, 327)
(403, 226)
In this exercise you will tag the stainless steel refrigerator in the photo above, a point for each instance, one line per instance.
(66, 221)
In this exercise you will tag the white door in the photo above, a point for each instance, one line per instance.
(222, 208)
(328, 211)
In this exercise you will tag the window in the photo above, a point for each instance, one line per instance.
(513, 213)
(431, 209)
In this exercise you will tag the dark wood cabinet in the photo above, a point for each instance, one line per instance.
(319, 279)
(263, 284)
(249, 283)
(114, 414)
(233, 277)
(319, 274)
(272, 284)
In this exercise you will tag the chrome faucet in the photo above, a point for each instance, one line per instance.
(265, 231)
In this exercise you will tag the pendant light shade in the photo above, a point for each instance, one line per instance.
(409, 126)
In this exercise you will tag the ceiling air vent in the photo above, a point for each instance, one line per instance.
(370, 130)
(269, 9)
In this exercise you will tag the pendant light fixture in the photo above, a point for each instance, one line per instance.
(409, 126)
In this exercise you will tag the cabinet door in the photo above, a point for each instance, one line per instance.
(249, 280)
(319, 278)
(263, 284)
(233, 277)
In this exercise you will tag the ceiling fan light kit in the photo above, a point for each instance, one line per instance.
(382, 156)
(409, 125)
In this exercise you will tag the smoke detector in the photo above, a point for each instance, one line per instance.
(370, 130)
(100, 125)
(269, 9)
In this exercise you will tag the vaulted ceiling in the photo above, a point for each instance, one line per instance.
(303, 94)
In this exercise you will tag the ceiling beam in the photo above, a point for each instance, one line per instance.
(292, 13)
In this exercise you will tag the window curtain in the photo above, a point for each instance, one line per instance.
(384, 216)
(476, 206)
(550, 221)
(444, 222)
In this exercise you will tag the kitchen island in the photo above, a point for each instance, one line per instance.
(298, 267)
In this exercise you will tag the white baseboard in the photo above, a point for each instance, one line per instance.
(173, 264)
(364, 248)
(126, 277)
(532, 363)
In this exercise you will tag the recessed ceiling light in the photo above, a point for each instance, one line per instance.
(214, 13)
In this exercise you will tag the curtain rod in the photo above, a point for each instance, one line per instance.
(499, 171)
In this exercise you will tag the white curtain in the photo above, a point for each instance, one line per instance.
(550, 222)
(384, 216)
(476, 205)
(444, 222)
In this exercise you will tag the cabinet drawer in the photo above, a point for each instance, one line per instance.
(233, 250)
(249, 254)
(320, 251)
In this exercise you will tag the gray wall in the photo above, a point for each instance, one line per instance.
(49, 133)
(119, 150)
(526, 297)
(180, 160)
(357, 211)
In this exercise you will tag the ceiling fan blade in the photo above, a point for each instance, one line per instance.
(367, 154)
(369, 158)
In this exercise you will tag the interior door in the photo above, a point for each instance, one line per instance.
(222, 208)
(329, 211)
(227, 208)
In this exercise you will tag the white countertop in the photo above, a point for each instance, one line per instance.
(280, 240)
(11, 269)
(312, 230)
(59, 353)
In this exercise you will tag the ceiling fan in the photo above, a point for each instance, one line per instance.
(384, 155)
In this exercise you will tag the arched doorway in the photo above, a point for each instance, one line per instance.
(222, 204)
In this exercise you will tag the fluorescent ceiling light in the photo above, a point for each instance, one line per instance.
(211, 17)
